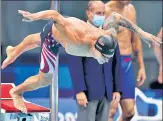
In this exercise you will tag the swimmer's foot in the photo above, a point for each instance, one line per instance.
(18, 101)
(11, 56)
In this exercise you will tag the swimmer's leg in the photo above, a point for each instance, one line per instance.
(29, 42)
(32, 83)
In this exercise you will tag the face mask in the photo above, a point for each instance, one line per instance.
(98, 20)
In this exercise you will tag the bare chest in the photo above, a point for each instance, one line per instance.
(124, 35)
(128, 14)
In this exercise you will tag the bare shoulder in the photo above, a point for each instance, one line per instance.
(108, 8)
(132, 13)
(132, 8)
(108, 4)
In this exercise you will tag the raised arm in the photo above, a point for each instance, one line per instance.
(43, 15)
(115, 20)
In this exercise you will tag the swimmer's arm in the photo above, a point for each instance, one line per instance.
(136, 43)
(158, 50)
(137, 48)
(115, 20)
(44, 15)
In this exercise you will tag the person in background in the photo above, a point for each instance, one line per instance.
(158, 53)
(92, 82)
(128, 42)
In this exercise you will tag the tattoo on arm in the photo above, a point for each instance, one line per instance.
(136, 53)
(111, 25)
(124, 22)
(115, 20)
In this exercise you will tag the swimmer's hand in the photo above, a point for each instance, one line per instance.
(141, 77)
(24, 12)
(116, 97)
(152, 38)
(42, 15)
(28, 17)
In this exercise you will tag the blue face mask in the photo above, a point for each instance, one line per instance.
(98, 20)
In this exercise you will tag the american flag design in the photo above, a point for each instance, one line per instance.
(49, 54)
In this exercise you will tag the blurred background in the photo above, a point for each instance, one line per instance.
(149, 18)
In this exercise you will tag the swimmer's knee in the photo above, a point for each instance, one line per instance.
(44, 78)
(12, 91)
(112, 112)
(129, 112)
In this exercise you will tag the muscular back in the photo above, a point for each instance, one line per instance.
(124, 35)
(77, 32)
(76, 36)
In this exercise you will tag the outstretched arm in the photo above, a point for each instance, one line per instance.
(43, 15)
(115, 20)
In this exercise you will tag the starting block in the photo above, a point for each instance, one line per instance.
(10, 113)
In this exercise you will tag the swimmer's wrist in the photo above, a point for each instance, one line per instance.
(142, 68)
(141, 63)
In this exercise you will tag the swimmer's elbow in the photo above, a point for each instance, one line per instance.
(115, 15)
(112, 21)
(58, 18)
(53, 14)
